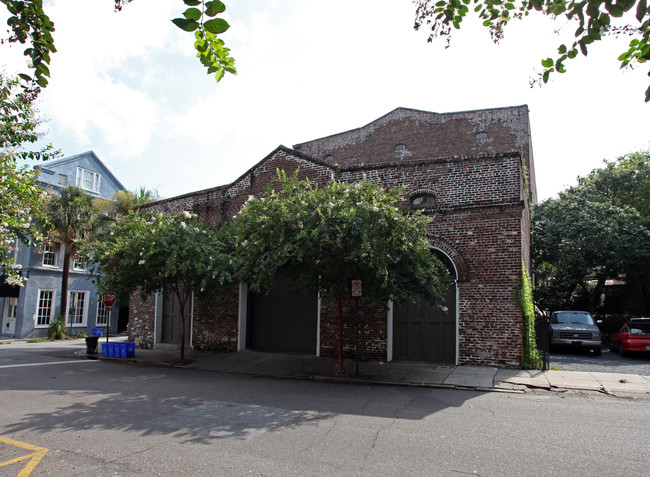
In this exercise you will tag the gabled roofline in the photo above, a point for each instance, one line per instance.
(74, 157)
(454, 113)
(282, 148)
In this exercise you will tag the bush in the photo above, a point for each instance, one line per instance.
(57, 328)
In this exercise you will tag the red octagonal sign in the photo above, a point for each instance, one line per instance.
(108, 299)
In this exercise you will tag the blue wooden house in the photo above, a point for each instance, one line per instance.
(28, 311)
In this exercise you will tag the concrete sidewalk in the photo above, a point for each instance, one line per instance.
(395, 373)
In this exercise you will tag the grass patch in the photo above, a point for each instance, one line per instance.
(556, 368)
(38, 340)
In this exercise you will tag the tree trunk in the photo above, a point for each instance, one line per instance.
(596, 294)
(182, 302)
(339, 308)
(67, 257)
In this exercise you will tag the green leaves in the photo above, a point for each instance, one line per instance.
(155, 252)
(597, 229)
(593, 18)
(185, 24)
(192, 14)
(326, 236)
(216, 26)
(211, 51)
(30, 24)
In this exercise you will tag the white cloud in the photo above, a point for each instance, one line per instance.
(128, 86)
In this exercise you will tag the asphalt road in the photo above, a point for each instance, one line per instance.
(98, 418)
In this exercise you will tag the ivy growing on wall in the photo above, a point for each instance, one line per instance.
(524, 293)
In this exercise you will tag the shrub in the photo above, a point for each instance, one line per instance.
(57, 328)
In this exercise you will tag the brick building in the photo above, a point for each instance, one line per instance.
(471, 171)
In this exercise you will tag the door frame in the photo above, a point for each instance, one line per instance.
(6, 317)
(391, 315)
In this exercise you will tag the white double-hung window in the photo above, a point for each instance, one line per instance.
(88, 180)
(103, 315)
(44, 308)
(49, 256)
(77, 308)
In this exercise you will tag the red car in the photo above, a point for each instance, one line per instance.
(634, 336)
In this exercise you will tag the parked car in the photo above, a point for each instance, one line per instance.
(575, 329)
(633, 336)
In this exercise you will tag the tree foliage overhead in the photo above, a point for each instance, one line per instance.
(21, 199)
(593, 20)
(29, 24)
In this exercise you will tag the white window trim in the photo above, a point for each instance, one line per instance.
(76, 266)
(38, 301)
(110, 316)
(84, 318)
(97, 177)
(53, 250)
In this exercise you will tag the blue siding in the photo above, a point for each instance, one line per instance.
(49, 278)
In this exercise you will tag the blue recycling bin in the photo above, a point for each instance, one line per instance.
(97, 331)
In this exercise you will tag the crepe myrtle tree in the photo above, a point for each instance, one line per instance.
(149, 253)
(22, 201)
(325, 237)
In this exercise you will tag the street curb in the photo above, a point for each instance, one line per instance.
(517, 388)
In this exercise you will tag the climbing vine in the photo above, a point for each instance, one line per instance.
(530, 358)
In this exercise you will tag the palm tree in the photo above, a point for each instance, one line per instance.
(143, 196)
(72, 219)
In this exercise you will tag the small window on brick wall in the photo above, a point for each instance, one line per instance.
(424, 201)
(481, 135)
(329, 157)
(400, 147)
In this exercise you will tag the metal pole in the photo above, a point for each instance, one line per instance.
(356, 334)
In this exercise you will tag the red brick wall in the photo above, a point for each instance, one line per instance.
(215, 321)
(480, 219)
(489, 319)
(372, 329)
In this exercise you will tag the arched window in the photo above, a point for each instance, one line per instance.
(423, 201)
(400, 147)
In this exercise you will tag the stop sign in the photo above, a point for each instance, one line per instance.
(108, 300)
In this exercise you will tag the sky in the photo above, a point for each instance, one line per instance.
(128, 86)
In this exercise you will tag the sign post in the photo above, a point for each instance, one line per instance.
(108, 300)
(357, 291)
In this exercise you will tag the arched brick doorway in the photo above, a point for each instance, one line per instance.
(424, 333)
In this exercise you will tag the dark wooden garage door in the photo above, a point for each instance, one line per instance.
(423, 333)
(284, 320)
(171, 322)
